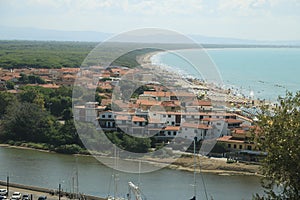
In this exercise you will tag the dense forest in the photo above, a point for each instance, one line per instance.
(54, 54)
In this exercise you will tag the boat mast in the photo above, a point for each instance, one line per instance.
(115, 174)
(195, 139)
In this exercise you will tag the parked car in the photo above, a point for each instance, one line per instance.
(42, 198)
(3, 192)
(25, 197)
(16, 196)
(2, 197)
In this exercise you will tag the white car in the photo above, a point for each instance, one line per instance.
(3, 192)
(16, 195)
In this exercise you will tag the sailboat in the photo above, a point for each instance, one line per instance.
(195, 165)
(133, 190)
(194, 185)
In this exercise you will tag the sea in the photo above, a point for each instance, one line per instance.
(260, 73)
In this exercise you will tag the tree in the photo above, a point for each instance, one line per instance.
(6, 99)
(279, 130)
(10, 85)
(28, 122)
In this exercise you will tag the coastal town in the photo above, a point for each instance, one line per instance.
(181, 108)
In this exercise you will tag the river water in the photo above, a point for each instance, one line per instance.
(49, 169)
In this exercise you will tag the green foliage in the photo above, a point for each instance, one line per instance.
(6, 99)
(10, 85)
(30, 79)
(25, 120)
(280, 138)
(54, 54)
(69, 149)
(129, 143)
(19, 126)
(130, 59)
(38, 54)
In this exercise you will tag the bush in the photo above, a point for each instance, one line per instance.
(11, 142)
(69, 149)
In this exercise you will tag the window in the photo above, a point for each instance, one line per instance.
(169, 132)
(164, 116)
(103, 116)
(195, 131)
(174, 133)
(234, 146)
(173, 123)
(154, 114)
(219, 124)
(229, 145)
(109, 116)
(249, 147)
(169, 116)
(241, 146)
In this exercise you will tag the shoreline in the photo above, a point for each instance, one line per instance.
(235, 96)
(208, 165)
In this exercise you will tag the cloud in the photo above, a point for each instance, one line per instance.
(242, 7)
(145, 7)
(166, 7)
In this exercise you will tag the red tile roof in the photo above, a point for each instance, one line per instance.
(197, 126)
(233, 121)
(138, 119)
(172, 128)
(229, 139)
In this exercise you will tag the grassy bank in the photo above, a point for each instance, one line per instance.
(65, 149)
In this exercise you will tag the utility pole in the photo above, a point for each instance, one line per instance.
(59, 189)
(7, 185)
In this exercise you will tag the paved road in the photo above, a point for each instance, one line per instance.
(34, 193)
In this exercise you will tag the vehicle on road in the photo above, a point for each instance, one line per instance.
(3, 192)
(42, 198)
(3, 198)
(25, 197)
(16, 196)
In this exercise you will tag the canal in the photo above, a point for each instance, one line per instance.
(49, 169)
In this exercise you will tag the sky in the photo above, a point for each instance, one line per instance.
(244, 19)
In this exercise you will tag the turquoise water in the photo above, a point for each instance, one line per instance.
(267, 72)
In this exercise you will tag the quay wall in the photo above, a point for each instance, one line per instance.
(46, 190)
